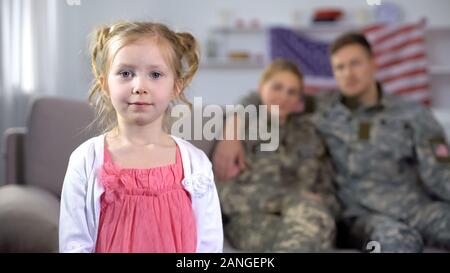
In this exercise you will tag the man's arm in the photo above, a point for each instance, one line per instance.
(228, 156)
(432, 150)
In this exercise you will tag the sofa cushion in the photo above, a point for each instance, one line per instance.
(55, 128)
(29, 219)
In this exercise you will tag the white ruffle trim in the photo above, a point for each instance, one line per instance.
(198, 185)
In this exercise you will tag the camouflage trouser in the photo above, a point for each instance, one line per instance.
(433, 222)
(429, 223)
(303, 227)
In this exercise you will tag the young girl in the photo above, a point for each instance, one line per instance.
(283, 200)
(136, 188)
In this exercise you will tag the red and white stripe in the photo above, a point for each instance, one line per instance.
(400, 54)
(314, 84)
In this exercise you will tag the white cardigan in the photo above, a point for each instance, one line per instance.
(80, 198)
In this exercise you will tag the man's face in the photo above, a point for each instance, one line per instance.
(353, 69)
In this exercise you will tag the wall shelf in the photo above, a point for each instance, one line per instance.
(254, 42)
(320, 27)
(230, 64)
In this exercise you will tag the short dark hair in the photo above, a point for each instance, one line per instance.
(348, 39)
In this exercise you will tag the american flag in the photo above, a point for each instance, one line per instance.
(401, 58)
(310, 55)
(399, 52)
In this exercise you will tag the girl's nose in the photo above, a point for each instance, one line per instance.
(140, 91)
(141, 86)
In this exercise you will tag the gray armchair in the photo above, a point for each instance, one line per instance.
(36, 159)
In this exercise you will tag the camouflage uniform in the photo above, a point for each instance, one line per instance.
(266, 208)
(393, 171)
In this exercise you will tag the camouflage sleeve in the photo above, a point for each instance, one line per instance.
(316, 105)
(432, 150)
(256, 189)
(326, 187)
(316, 173)
(250, 99)
(317, 188)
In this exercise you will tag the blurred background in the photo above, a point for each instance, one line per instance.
(44, 44)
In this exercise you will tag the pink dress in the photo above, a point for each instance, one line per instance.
(145, 210)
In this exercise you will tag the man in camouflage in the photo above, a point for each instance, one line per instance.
(284, 200)
(391, 157)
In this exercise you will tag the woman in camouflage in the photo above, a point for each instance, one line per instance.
(282, 200)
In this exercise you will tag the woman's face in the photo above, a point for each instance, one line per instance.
(283, 88)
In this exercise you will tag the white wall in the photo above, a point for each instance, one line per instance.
(219, 86)
(67, 72)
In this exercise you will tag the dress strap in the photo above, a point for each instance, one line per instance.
(179, 161)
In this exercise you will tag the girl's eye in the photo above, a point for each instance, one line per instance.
(155, 75)
(125, 74)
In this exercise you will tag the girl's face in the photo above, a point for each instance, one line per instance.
(140, 83)
(283, 88)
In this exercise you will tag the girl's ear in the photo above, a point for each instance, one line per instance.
(104, 85)
(178, 88)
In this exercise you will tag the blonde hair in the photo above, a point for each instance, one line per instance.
(280, 65)
(182, 57)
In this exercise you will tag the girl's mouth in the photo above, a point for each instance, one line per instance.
(140, 103)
